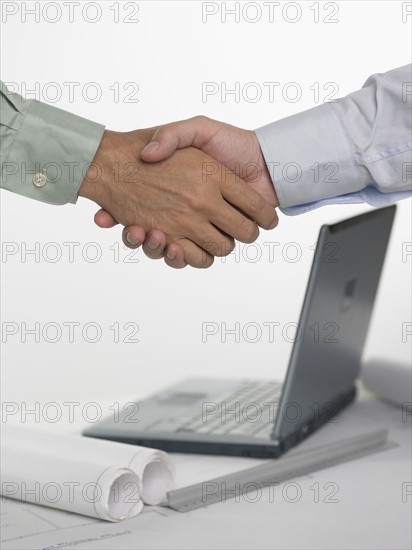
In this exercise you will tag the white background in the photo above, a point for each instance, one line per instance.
(169, 53)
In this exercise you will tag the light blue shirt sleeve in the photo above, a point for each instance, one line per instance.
(357, 149)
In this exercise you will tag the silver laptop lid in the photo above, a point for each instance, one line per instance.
(335, 316)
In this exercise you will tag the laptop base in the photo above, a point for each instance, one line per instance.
(255, 449)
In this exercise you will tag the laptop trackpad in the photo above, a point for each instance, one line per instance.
(181, 399)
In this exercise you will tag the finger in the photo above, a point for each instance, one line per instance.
(239, 194)
(155, 244)
(133, 236)
(208, 237)
(103, 219)
(175, 256)
(178, 135)
(195, 255)
(234, 223)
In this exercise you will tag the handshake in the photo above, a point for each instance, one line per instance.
(185, 191)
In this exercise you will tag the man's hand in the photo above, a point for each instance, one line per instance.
(236, 148)
(188, 197)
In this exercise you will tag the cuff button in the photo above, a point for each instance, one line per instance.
(39, 180)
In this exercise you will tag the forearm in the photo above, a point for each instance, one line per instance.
(45, 151)
(353, 150)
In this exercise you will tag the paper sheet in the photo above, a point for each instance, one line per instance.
(369, 498)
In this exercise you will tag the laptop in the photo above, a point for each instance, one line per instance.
(264, 418)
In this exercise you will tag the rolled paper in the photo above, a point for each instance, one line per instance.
(390, 380)
(82, 487)
(90, 476)
(157, 472)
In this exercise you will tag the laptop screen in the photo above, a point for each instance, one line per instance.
(334, 321)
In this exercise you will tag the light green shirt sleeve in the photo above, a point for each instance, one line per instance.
(45, 151)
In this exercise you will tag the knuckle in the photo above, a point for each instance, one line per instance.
(254, 207)
(273, 219)
(205, 262)
(175, 264)
(200, 119)
(219, 249)
(200, 205)
(197, 202)
(225, 248)
(164, 133)
(152, 255)
(196, 256)
(248, 231)
(161, 136)
(210, 247)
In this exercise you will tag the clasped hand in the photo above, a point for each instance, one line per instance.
(185, 191)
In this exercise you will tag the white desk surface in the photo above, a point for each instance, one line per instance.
(371, 510)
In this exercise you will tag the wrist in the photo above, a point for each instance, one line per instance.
(89, 187)
(265, 185)
(270, 186)
(117, 161)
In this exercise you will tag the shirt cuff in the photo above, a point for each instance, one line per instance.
(370, 196)
(50, 154)
(309, 158)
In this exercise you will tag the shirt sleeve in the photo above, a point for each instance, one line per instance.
(45, 151)
(357, 149)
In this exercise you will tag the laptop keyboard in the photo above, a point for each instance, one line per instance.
(250, 410)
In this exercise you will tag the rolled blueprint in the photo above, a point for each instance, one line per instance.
(95, 477)
(88, 488)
